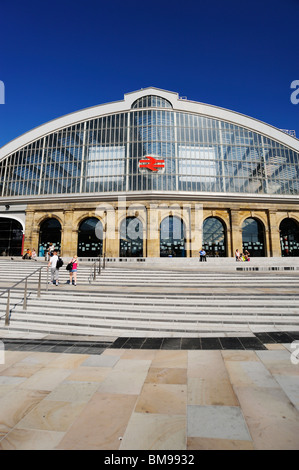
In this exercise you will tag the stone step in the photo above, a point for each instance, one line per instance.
(149, 315)
(209, 330)
(109, 328)
(195, 301)
(148, 307)
(67, 310)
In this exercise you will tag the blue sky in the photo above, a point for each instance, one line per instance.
(61, 56)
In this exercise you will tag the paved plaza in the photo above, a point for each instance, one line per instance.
(57, 394)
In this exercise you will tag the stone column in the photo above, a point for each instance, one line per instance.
(236, 231)
(31, 235)
(69, 235)
(274, 234)
(196, 229)
(111, 235)
(153, 232)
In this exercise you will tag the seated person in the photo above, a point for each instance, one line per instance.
(28, 254)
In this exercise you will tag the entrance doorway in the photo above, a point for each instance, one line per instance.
(289, 237)
(253, 237)
(131, 238)
(214, 237)
(49, 232)
(90, 238)
(11, 237)
(172, 237)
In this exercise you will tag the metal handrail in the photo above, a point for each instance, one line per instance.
(25, 279)
(97, 271)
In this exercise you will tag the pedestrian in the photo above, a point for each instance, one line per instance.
(53, 266)
(73, 272)
(237, 255)
(72, 267)
(41, 251)
(50, 251)
(203, 255)
(33, 254)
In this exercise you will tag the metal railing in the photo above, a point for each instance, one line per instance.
(25, 292)
(97, 268)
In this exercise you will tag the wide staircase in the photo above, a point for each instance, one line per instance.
(166, 300)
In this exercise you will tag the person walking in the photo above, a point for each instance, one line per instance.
(203, 255)
(53, 266)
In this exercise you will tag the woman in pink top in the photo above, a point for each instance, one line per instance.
(73, 272)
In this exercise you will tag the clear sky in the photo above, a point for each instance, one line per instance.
(61, 56)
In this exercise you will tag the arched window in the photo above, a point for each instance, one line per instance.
(11, 236)
(172, 237)
(49, 232)
(214, 237)
(131, 238)
(289, 237)
(90, 238)
(151, 101)
(253, 237)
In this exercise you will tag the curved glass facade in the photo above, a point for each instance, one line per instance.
(102, 155)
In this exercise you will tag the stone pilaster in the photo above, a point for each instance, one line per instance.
(153, 232)
(236, 231)
(274, 234)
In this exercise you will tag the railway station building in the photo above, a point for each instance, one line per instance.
(152, 175)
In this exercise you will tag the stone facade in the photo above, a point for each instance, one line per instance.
(151, 213)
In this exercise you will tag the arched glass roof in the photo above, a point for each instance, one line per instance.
(101, 151)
